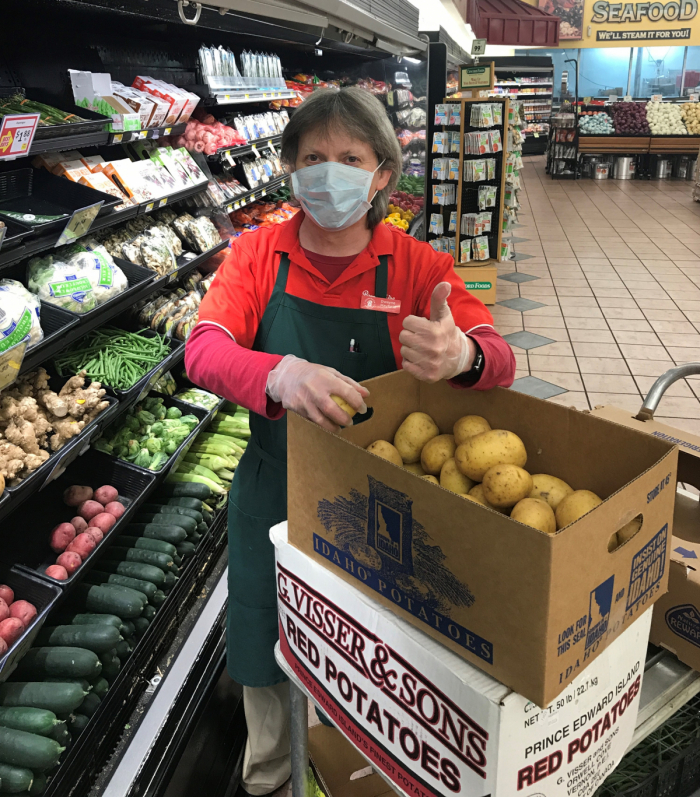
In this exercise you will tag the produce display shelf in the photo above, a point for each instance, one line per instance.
(84, 760)
(149, 207)
(151, 132)
(255, 194)
(92, 139)
(233, 97)
(539, 83)
(245, 149)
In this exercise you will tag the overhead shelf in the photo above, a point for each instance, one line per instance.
(149, 133)
(234, 97)
(245, 149)
(257, 193)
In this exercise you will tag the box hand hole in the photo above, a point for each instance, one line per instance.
(364, 417)
(622, 535)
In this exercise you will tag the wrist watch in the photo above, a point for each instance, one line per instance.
(472, 376)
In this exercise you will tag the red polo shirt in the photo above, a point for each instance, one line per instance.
(240, 293)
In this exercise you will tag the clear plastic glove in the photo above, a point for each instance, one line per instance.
(435, 349)
(306, 388)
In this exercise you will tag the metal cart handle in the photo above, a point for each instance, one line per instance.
(651, 402)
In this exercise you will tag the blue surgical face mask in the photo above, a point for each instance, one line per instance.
(333, 194)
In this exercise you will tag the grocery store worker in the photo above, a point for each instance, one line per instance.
(287, 322)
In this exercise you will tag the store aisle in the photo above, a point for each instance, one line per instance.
(604, 294)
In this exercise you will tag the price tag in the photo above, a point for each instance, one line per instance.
(79, 223)
(229, 158)
(254, 150)
(163, 201)
(587, 100)
(117, 138)
(227, 96)
(172, 277)
(694, 98)
(17, 134)
(236, 206)
(272, 147)
(536, 135)
(613, 98)
(264, 95)
(11, 362)
(143, 134)
(3, 230)
(247, 96)
(628, 98)
(657, 97)
(167, 131)
(149, 207)
(263, 192)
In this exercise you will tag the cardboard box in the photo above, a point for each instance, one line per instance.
(531, 609)
(676, 624)
(479, 281)
(430, 721)
(94, 90)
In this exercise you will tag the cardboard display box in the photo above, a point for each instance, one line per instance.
(531, 609)
(676, 624)
(428, 720)
(479, 281)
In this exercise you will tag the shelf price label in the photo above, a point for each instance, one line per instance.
(143, 134)
(150, 206)
(657, 97)
(694, 98)
(271, 145)
(167, 131)
(255, 150)
(236, 206)
(79, 223)
(163, 201)
(229, 157)
(117, 138)
(17, 134)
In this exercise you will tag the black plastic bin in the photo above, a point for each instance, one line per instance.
(55, 322)
(27, 537)
(14, 234)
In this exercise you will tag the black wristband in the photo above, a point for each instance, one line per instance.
(473, 375)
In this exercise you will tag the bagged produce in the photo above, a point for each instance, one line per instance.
(19, 315)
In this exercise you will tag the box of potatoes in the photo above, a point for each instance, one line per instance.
(539, 536)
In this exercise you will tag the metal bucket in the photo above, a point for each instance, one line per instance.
(692, 169)
(588, 164)
(625, 167)
(601, 171)
(663, 169)
(681, 170)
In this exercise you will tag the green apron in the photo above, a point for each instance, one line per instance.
(258, 498)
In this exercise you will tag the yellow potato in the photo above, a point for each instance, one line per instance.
(435, 453)
(468, 426)
(574, 506)
(452, 479)
(386, 451)
(549, 489)
(414, 467)
(483, 451)
(431, 479)
(628, 530)
(505, 485)
(536, 513)
(473, 498)
(344, 405)
(477, 494)
(413, 434)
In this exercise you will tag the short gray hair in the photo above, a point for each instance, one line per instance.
(361, 116)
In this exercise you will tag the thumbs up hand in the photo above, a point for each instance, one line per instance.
(435, 349)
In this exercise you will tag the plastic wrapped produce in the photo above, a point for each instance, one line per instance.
(107, 279)
(19, 315)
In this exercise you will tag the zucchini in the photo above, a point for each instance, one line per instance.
(187, 503)
(100, 687)
(186, 523)
(23, 749)
(202, 528)
(148, 544)
(39, 784)
(30, 720)
(166, 509)
(162, 560)
(110, 665)
(133, 593)
(15, 779)
(68, 662)
(124, 649)
(146, 587)
(61, 698)
(90, 705)
(110, 599)
(184, 490)
(134, 570)
(128, 630)
(77, 723)
(194, 538)
(97, 638)
(186, 548)
(158, 598)
(155, 531)
(149, 612)
(177, 559)
(169, 580)
(141, 624)
(91, 618)
(81, 682)
(60, 734)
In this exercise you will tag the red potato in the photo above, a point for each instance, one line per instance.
(3, 647)
(62, 536)
(79, 524)
(70, 561)
(11, 630)
(77, 494)
(95, 533)
(83, 545)
(115, 508)
(106, 494)
(57, 572)
(88, 509)
(24, 611)
(7, 594)
(104, 521)
(4, 610)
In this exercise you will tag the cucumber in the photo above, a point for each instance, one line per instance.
(158, 598)
(100, 687)
(186, 523)
(91, 618)
(61, 735)
(202, 528)
(108, 599)
(110, 665)
(39, 784)
(171, 534)
(128, 630)
(145, 587)
(169, 580)
(162, 560)
(124, 649)
(187, 503)
(68, 662)
(200, 491)
(15, 779)
(141, 624)
(81, 682)
(61, 698)
(23, 749)
(148, 544)
(166, 509)
(149, 612)
(77, 723)
(30, 720)
(128, 591)
(186, 548)
(90, 705)
(194, 538)
(177, 559)
(97, 638)
(134, 570)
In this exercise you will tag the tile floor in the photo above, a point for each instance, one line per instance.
(604, 293)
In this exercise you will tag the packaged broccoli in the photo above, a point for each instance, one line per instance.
(19, 315)
(60, 283)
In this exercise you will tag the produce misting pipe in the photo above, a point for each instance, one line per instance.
(651, 402)
(629, 72)
(685, 58)
(299, 710)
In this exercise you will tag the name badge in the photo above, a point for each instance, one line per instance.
(388, 305)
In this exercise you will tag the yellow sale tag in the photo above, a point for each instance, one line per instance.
(167, 131)
(118, 138)
(143, 134)
(163, 201)
(236, 206)
(149, 207)
(247, 96)
(264, 192)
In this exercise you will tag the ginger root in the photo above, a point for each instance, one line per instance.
(64, 429)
